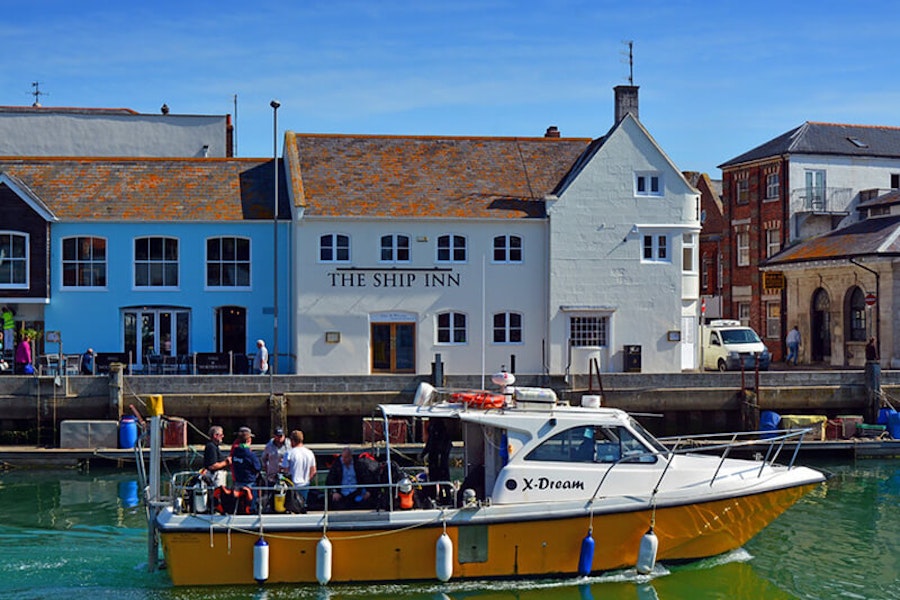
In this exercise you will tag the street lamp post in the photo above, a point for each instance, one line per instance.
(273, 362)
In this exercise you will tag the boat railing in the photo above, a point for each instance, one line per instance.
(773, 440)
(384, 495)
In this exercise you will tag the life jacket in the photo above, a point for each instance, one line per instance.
(232, 502)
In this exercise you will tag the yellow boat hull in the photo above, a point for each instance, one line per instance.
(502, 549)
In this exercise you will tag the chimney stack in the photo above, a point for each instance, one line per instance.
(626, 101)
(552, 132)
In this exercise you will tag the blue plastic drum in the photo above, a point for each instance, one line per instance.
(128, 432)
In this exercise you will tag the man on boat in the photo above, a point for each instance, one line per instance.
(214, 461)
(344, 478)
(273, 455)
(300, 464)
(245, 465)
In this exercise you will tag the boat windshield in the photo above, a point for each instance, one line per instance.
(648, 437)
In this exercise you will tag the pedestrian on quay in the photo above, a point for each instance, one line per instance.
(87, 362)
(24, 365)
(261, 360)
(871, 351)
(793, 345)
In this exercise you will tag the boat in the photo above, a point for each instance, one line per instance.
(549, 488)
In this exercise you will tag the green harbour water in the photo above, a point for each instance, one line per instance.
(65, 534)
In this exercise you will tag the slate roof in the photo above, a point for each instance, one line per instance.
(827, 138)
(878, 236)
(151, 189)
(427, 176)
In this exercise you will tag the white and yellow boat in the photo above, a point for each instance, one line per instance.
(566, 490)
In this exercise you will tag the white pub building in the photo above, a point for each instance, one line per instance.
(537, 254)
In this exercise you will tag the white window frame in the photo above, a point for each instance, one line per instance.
(742, 248)
(648, 183)
(82, 264)
(331, 242)
(655, 248)
(773, 242)
(509, 249)
(456, 327)
(588, 330)
(392, 245)
(742, 191)
(689, 253)
(510, 327)
(451, 244)
(161, 262)
(234, 263)
(17, 285)
(772, 186)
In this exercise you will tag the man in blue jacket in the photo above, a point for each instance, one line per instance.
(245, 465)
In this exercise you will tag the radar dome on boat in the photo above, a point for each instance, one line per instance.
(503, 378)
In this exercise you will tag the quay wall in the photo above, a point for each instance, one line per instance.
(334, 407)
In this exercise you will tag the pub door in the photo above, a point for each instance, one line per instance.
(393, 347)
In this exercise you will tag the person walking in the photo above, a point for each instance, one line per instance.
(23, 357)
(871, 351)
(793, 345)
(261, 360)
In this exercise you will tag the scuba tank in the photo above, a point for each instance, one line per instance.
(280, 496)
(199, 493)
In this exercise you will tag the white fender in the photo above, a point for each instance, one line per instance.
(444, 558)
(323, 560)
(647, 553)
(261, 561)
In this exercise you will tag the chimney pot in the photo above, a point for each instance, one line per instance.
(552, 132)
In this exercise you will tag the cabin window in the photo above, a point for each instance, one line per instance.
(589, 444)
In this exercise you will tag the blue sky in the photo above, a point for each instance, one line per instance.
(716, 79)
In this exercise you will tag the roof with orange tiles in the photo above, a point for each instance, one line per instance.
(878, 236)
(827, 138)
(428, 176)
(150, 189)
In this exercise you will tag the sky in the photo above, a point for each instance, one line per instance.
(716, 78)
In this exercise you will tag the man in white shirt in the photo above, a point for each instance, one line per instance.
(300, 464)
(261, 360)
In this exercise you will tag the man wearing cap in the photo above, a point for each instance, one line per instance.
(273, 455)
(245, 465)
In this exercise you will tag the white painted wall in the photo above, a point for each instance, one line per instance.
(596, 258)
(343, 301)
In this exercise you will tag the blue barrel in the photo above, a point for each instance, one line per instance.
(128, 432)
(893, 425)
(768, 421)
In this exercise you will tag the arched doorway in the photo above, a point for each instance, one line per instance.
(820, 327)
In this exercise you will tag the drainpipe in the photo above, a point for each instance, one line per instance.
(877, 302)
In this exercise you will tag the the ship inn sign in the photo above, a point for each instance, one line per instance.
(375, 277)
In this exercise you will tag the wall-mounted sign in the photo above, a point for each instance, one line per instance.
(393, 278)
(773, 280)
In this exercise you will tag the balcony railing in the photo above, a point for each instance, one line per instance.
(828, 199)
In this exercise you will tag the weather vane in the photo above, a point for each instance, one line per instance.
(37, 93)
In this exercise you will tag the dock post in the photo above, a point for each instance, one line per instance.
(153, 494)
(277, 411)
(116, 390)
(873, 390)
(437, 371)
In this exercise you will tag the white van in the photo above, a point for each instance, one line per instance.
(728, 344)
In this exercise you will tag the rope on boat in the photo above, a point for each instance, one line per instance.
(230, 527)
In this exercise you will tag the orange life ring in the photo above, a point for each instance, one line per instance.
(480, 399)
